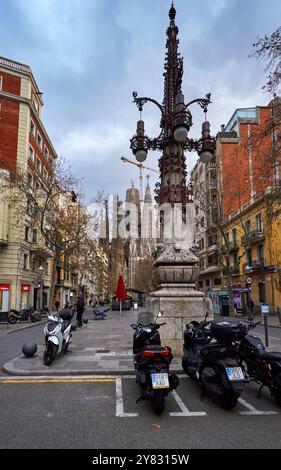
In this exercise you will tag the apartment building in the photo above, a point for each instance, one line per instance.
(25, 263)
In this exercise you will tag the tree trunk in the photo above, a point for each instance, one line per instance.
(53, 283)
(230, 293)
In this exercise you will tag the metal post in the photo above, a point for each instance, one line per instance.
(265, 312)
(266, 330)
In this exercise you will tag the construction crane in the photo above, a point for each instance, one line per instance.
(142, 167)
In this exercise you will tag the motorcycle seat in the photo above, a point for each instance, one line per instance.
(270, 356)
(154, 348)
(65, 324)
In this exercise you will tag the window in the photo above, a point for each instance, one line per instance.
(247, 226)
(26, 233)
(202, 221)
(34, 236)
(30, 180)
(46, 153)
(45, 174)
(1, 82)
(31, 153)
(235, 260)
(234, 236)
(39, 141)
(32, 128)
(25, 261)
(217, 282)
(259, 225)
(249, 256)
(38, 165)
(35, 104)
(260, 254)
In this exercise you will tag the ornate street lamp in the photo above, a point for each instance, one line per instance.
(176, 268)
(176, 121)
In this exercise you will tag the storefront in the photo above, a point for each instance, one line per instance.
(4, 297)
(25, 296)
(220, 300)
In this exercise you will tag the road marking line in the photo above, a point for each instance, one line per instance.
(253, 410)
(50, 380)
(184, 410)
(119, 402)
(55, 377)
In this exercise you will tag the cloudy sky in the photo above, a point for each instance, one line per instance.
(89, 55)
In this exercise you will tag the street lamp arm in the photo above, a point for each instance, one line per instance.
(203, 102)
(144, 99)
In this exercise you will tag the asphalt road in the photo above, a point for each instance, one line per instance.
(94, 415)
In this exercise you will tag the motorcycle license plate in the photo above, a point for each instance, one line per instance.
(235, 373)
(160, 380)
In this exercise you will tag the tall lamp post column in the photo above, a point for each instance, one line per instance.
(176, 268)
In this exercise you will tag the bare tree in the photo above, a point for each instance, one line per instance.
(268, 48)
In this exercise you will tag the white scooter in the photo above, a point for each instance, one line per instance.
(57, 335)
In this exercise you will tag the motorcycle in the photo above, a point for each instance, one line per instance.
(263, 367)
(22, 315)
(152, 362)
(214, 363)
(57, 335)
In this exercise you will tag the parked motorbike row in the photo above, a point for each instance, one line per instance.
(220, 354)
(23, 315)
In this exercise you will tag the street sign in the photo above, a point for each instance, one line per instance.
(249, 280)
(264, 309)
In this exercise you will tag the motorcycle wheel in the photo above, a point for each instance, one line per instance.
(33, 318)
(158, 402)
(50, 353)
(277, 396)
(12, 319)
(228, 400)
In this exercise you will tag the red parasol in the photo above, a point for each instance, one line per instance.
(121, 289)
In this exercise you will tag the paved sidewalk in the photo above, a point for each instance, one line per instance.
(101, 347)
(272, 320)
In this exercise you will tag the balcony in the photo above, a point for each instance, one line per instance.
(210, 269)
(254, 266)
(41, 251)
(254, 236)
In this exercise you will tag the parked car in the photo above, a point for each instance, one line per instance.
(126, 304)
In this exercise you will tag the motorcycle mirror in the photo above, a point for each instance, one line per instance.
(159, 314)
(133, 325)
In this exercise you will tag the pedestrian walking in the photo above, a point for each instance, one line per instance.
(57, 304)
(80, 311)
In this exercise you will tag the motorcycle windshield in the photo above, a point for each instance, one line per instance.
(145, 318)
(50, 327)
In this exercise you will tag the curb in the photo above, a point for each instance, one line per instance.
(25, 327)
(10, 371)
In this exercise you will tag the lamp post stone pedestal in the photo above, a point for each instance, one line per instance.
(175, 273)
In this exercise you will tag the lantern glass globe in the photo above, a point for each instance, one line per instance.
(180, 134)
(141, 155)
(205, 157)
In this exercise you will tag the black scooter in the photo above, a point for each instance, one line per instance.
(215, 363)
(23, 315)
(152, 362)
(263, 367)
